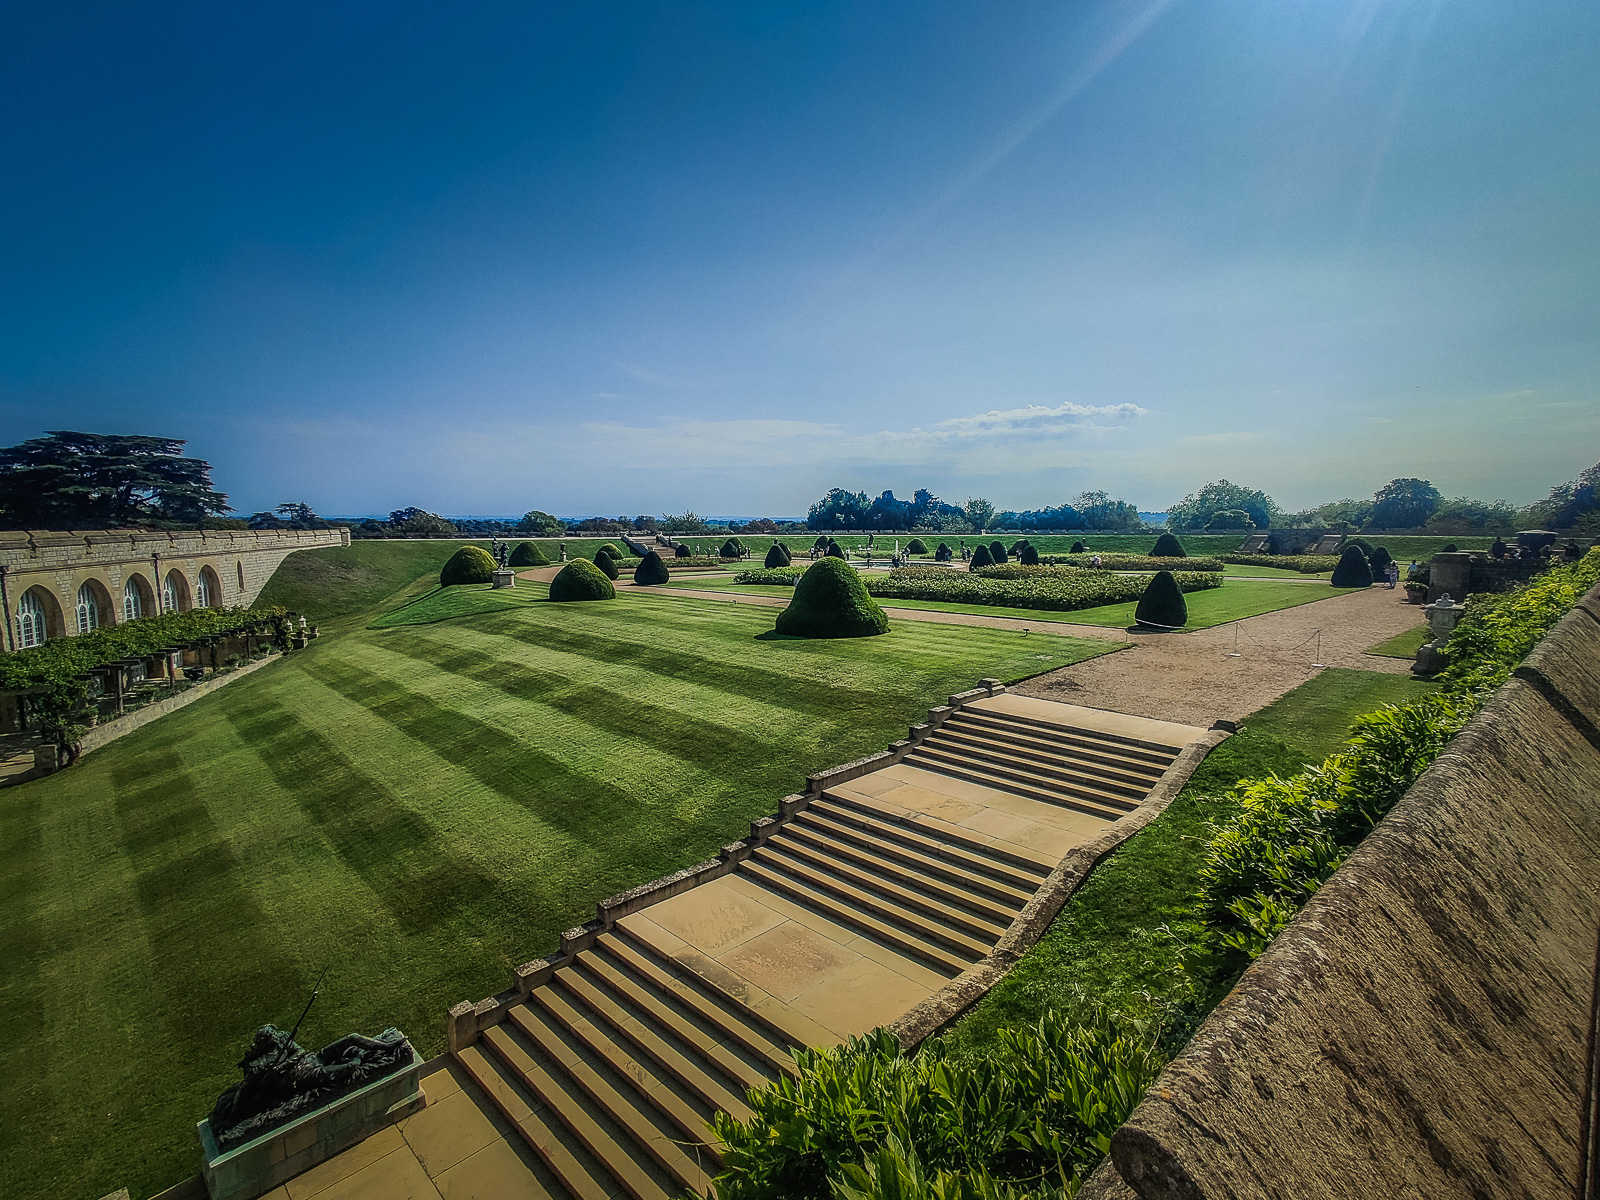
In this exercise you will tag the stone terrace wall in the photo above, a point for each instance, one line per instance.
(1425, 1027)
(57, 563)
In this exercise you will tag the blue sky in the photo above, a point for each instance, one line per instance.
(643, 257)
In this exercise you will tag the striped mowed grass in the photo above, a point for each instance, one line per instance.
(422, 806)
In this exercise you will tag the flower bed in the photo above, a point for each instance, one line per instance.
(1060, 590)
(1306, 564)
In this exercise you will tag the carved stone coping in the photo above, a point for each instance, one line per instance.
(961, 993)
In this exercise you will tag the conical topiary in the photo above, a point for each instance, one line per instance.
(526, 554)
(1029, 556)
(830, 601)
(1353, 570)
(1162, 606)
(776, 557)
(651, 571)
(683, 551)
(470, 564)
(1168, 546)
(917, 546)
(580, 579)
(997, 552)
(606, 565)
(1078, 548)
(981, 557)
(1378, 560)
(834, 551)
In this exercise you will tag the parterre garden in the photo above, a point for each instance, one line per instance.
(420, 805)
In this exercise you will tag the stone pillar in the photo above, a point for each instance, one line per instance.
(1450, 574)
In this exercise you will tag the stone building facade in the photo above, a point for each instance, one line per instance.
(61, 583)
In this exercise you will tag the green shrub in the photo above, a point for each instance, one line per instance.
(997, 552)
(981, 557)
(917, 546)
(1353, 570)
(1162, 605)
(470, 564)
(860, 1118)
(651, 571)
(1029, 556)
(1078, 548)
(682, 551)
(830, 601)
(777, 556)
(526, 554)
(580, 579)
(605, 564)
(834, 550)
(1168, 546)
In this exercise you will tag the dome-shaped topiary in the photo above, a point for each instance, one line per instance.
(1078, 548)
(917, 546)
(834, 550)
(1162, 606)
(1168, 546)
(580, 579)
(1379, 559)
(981, 557)
(606, 565)
(470, 564)
(526, 554)
(731, 549)
(682, 551)
(776, 557)
(998, 552)
(651, 571)
(830, 601)
(1353, 571)
(1029, 556)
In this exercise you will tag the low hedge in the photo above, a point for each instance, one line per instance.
(1062, 591)
(1306, 564)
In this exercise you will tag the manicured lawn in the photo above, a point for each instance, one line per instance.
(421, 807)
(1108, 949)
(1403, 645)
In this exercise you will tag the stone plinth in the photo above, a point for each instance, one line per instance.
(257, 1167)
(504, 578)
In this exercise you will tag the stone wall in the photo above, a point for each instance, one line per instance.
(54, 565)
(1426, 1026)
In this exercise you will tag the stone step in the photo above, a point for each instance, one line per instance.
(687, 1123)
(882, 848)
(1048, 759)
(1018, 784)
(583, 1178)
(947, 950)
(937, 839)
(950, 906)
(621, 1157)
(753, 1035)
(688, 1070)
(1130, 749)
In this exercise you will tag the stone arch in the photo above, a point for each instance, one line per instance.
(138, 597)
(208, 589)
(37, 619)
(175, 592)
(94, 607)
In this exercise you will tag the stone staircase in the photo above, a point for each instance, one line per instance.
(860, 901)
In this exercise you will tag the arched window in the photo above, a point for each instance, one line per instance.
(88, 610)
(30, 622)
(202, 589)
(132, 602)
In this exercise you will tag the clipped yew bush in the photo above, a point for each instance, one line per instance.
(1162, 605)
(997, 553)
(917, 546)
(651, 571)
(1029, 557)
(981, 557)
(1168, 546)
(830, 601)
(470, 564)
(580, 579)
(778, 556)
(526, 554)
(1353, 571)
